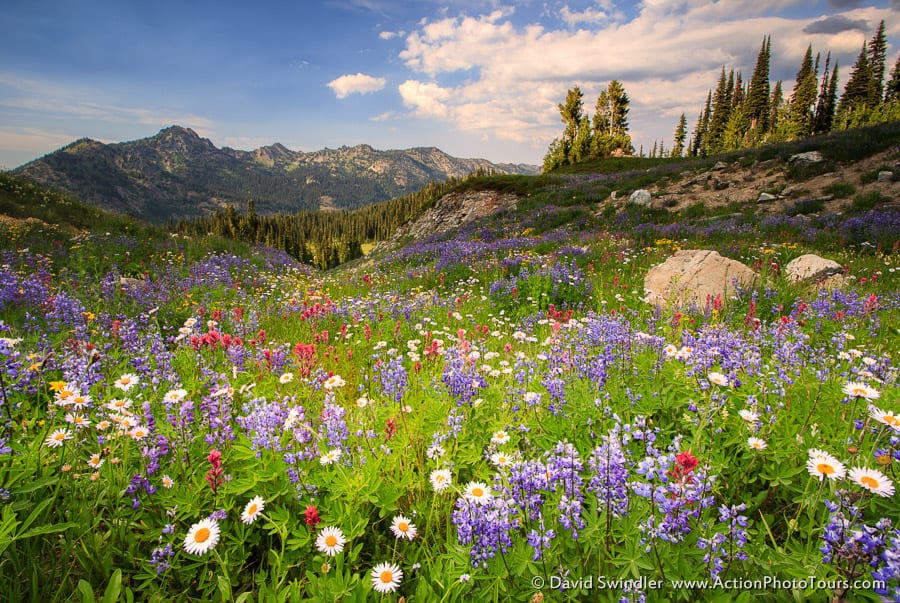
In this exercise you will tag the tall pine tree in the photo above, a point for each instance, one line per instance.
(857, 92)
(877, 57)
(758, 95)
(680, 137)
(803, 98)
(825, 105)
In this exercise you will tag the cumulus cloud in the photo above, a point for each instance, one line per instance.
(359, 83)
(589, 15)
(488, 76)
(836, 24)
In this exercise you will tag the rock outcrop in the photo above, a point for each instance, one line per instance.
(694, 276)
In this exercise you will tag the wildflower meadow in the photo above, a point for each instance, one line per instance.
(493, 414)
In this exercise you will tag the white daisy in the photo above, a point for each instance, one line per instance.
(886, 417)
(57, 437)
(873, 481)
(477, 492)
(331, 541)
(718, 379)
(756, 443)
(440, 479)
(386, 577)
(202, 537)
(174, 396)
(126, 381)
(748, 415)
(861, 390)
(403, 528)
(500, 438)
(821, 464)
(330, 457)
(252, 509)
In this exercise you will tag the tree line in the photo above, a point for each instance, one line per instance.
(324, 239)
(743, 114)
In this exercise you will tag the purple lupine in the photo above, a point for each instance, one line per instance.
(610, 476)
(487, 526)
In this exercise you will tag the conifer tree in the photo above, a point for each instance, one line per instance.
(680, 136)
(571, 113)
(892, 89)
(858, 89)
(758, 109)
(803, 98)
(825, 105)
(721, 111)
(877, 57)
(700, 132)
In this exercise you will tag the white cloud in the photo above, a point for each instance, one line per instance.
(589, 15)
(390, 35)
(485, 75)
(359, 83)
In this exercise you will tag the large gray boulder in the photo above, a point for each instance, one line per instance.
(640, 197)
(807, 158)
(695, 276)
(811, 267)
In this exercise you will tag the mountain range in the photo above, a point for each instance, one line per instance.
(177, 174)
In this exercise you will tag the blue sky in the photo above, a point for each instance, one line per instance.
(477, 79)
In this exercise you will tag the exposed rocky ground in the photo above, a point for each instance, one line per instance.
(728, 183)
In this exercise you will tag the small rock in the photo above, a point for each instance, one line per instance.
(720, 185)
(640, 197)
(808, 157)
(614, 195)
(766, 197)
(719, 166)
(885, 176)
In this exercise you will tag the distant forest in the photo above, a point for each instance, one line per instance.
(324, 239)
(739, 114)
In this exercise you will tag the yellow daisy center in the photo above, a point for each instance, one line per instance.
(403, 526)
(891, 420)
(59, 437)
(825, 468)
(330, 540)
(869, 482)
(858, 391)
(251, 510)
(387, 576)
(477, 492)
(202, 535)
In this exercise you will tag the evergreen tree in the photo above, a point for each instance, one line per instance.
(803, 98)
(758, 108)
(740, 95)
(680, 136)
(721, 111)
(779, 123)
(700, 132)
(858, 89)
(602, 123)
(877, 57)
(571, 113)
(825, 105)
(892, 90)
(610, 134)
(581, 146)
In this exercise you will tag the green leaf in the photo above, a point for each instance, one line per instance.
(224, 587)
(114, 588)
(87, 593)
(48, 529)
